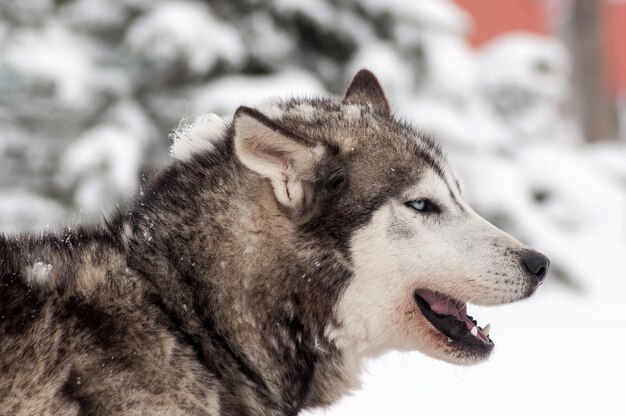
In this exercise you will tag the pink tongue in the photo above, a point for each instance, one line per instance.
(444, 305)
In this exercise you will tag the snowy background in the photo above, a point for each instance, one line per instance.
(91, 89)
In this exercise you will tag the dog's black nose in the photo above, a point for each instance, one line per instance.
(536, 263)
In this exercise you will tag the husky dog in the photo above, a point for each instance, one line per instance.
(258, 270)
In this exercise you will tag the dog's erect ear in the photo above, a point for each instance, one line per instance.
(365, 89)
(288, 160)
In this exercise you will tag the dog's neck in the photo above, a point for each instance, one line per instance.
(256, 301)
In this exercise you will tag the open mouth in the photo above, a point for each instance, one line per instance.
(450, 317)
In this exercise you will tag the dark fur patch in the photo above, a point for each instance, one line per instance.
(366, 90)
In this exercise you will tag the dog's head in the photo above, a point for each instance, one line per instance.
(349, 173)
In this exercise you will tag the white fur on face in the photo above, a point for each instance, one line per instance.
(400, 250)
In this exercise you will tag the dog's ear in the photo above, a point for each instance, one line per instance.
(288, 160)
(365, 89)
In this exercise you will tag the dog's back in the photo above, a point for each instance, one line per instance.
(79, 333)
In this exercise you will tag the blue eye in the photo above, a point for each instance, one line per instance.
(418, 205)
(423, 206)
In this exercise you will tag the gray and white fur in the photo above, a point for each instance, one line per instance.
(258, 270)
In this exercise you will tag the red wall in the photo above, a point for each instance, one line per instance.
(615, 44)
(495, 17)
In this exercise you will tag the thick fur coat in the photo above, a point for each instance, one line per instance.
(256, 271)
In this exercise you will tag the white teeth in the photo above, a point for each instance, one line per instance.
(486, 330)
(474, 331)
